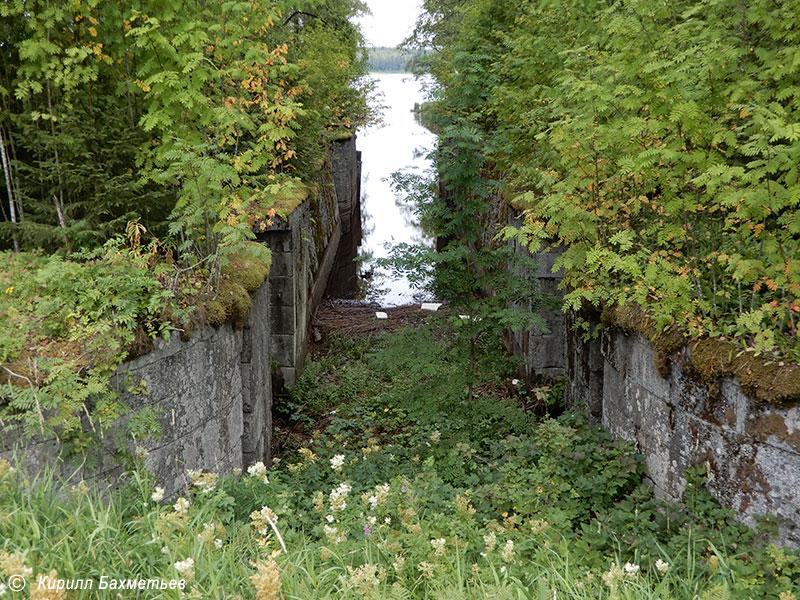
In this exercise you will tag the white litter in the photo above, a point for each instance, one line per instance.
(381, 315)
(463, 317)
(432, 306)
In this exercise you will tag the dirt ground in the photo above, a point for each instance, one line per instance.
(360, 321)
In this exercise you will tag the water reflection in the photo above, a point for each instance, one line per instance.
(388, 219)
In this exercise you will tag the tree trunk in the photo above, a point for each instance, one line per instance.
(11, 206)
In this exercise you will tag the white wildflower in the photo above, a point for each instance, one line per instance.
(330, 518)
(398, 564)
(662, 566)
(164, 550)
(333, 535)
(436, 436)
(185, 567)
(382, 493)
(631, 568)
(490, 540)
(181, 506)
(338, 496)
(337, 462)
(218, 544)
(388, 520)
(508, 551)
(259, 471)
(373, 502)
(503, 569)
(269, 514)
(3, 589)
(438, 546)
(157, 495)
(372, 520)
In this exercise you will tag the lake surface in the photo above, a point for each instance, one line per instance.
(399, 144)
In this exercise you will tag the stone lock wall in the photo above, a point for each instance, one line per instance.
(304, 247)
(751, 451)
(212, 395)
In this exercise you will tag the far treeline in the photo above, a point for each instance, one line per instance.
(391, 60)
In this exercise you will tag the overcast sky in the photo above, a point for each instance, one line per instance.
(391, 21)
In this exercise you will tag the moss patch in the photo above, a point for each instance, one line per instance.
(633, 318)
(239, 279)
(764, 381)
(287, 203)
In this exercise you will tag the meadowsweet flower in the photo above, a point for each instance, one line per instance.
(713, 562)
(503, 569)
(164, 550)
(47, 589)
(436, 436)
(14, 564)
(613, 576)
(330, 518)
(398, 564)
(438, 546)
(631, 568)
(337, 462)
(508, 551)
(324, 554)
(207, 535)
(218, 544)
(463, 507)
(363, 579)
(5, 467)
(338, 495)
(490, 541)
(157, 495)
(259, 471)
(787, 595)
(267, 580)
(388, 520)
(307, 455)
(332, 534)
(81, 488)
(185, 567)
(319, 501)
(205, 482)
(268, 513)
(538, 526)
(236, 472)
(140, 453)
(662, 566)
(371, 448)
(426, 569)
(381, 493)
(181, 506)
(372, 520)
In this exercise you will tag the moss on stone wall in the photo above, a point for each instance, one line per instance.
(766, 381)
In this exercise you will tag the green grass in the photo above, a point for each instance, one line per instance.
(446, 497)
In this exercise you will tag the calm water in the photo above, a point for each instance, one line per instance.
(389, 219)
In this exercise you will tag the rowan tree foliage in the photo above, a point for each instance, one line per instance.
(142, 145)
(658, 142)
(192, 117)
